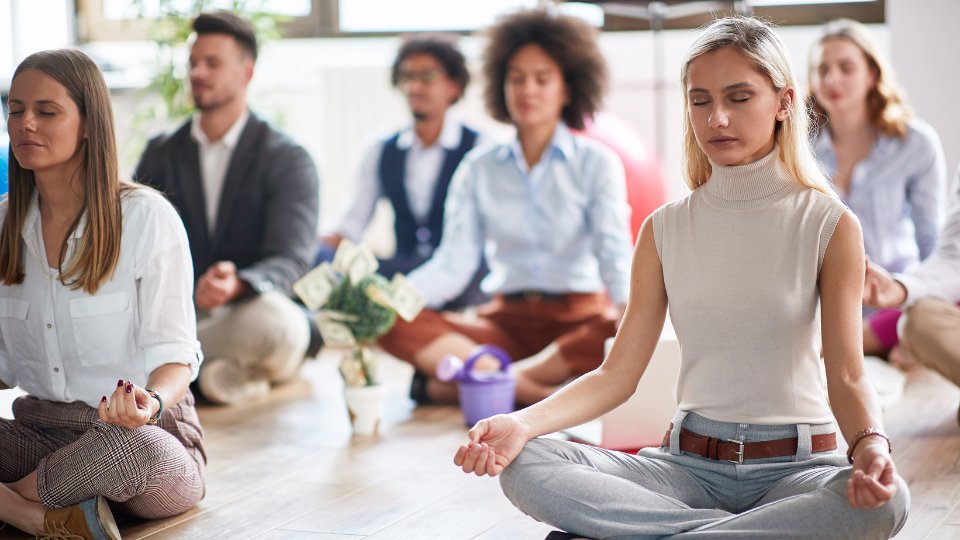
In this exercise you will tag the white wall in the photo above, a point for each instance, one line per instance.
(923, 37)
(27, 26)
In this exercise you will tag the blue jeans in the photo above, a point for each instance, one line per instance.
(663, 492)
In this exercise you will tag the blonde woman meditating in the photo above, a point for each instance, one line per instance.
(757, 264)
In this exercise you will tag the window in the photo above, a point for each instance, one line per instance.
(107, 20)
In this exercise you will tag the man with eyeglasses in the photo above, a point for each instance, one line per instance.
(412, 168)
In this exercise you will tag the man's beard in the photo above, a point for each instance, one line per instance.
(212, 104)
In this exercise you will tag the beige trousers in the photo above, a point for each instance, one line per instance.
(931, 335)
(266, 336)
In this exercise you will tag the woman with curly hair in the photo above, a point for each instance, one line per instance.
(549, 211)
(886, 164)
(761, 267)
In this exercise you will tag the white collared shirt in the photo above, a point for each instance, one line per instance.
(422, 169)
(939, 275)
(214, 161)
(62, 344)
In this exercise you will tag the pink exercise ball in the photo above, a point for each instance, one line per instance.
(645, 185)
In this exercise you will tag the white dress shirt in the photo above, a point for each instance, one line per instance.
(422, 169)
(939, 275)
(61, 344)
(214, 161)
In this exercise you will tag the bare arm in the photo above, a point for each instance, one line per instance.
(496, 441)
(852, 399)
(616, 379)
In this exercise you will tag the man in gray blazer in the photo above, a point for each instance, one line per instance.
(248, 196)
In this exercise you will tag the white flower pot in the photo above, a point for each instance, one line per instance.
(365, 406)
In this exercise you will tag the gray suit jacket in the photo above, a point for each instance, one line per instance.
(268, 210)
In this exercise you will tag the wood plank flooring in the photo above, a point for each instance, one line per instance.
(287, 468)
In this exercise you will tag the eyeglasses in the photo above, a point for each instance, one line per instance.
(426, 76)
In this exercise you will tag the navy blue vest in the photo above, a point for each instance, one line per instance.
(415, 238)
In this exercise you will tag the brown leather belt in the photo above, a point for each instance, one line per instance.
(736, 451)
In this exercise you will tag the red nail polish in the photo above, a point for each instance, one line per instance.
(129, 388)
(103, 399)
(119, 383)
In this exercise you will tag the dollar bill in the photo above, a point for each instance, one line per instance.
(335, 334)
(315, 287)
(337, 316)
(361, 264)
(380, 293)
(343, 256)
(406, 300)
(352, 370)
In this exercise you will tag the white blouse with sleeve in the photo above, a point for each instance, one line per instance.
(61, 344)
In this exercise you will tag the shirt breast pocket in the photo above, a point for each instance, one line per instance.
(13, 325)
(102, 328)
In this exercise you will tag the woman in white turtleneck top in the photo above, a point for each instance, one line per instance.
(762, 268)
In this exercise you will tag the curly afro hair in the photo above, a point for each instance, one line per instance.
(570, 42)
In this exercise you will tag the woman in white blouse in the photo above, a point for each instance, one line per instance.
(886, 164)
(96, 320)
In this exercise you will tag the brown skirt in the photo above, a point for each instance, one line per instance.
(578, 322)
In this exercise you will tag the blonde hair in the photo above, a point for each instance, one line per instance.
(887, 106)
(757, 42)
(98, 250)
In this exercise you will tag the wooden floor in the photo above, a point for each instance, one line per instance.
(287, 468)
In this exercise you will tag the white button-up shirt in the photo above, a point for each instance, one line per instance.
(214, 162)
(62, 344)
(940, 274)
(422, 170)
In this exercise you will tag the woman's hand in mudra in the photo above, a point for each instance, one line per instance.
(493, 445)
(873, 480)
(129, 406)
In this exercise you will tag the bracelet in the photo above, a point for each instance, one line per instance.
(863, 434)
(155, 418)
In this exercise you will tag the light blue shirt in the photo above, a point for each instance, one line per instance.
(896, 193)
(561, 226)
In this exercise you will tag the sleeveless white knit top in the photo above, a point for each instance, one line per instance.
(741, 256)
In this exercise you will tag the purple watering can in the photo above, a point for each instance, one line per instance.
(482, 394)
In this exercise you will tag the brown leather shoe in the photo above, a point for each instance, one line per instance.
(89, 520)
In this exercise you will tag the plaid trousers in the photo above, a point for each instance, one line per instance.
(149, 472)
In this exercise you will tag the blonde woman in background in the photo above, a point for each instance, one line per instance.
(886, 164)
(749, 264)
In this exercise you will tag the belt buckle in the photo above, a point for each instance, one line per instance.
(738, 453)
(533, 297)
